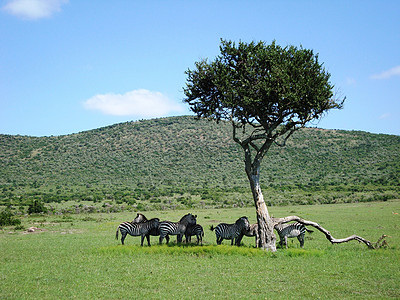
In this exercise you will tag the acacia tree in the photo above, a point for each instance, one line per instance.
(267, 92)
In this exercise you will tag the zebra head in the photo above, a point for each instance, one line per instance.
(140, 218)
(243, 223)
(188, 219)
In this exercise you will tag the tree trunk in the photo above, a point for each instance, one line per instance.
(265, 223)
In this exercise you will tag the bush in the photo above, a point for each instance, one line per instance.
(37, 207)
(8, 219)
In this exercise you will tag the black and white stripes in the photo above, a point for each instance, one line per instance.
(168, 228)
(292, 230)
(196, 230)
(137, 229)
(230, 231)
(188, 227)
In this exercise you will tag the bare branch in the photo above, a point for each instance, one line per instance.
(286, 138)
(328, 235)
(235, 138)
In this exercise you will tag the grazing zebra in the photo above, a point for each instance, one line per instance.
(230, 231)
(196, 230)
(135, 229)
(253, 231)
(167, 228)
(292, 230)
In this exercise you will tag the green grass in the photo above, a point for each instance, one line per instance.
(77, 256)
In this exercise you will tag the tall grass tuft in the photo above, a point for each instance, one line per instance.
(207, 251)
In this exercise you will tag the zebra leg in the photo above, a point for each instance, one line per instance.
(257, 240)
(142, 239)
(123, 236)
(286, 242)
(167, 238)
(160, 239)
(179, 238)
(238, 240)
(301, 240)
(219, 240)
(232, 242)
(148, 239)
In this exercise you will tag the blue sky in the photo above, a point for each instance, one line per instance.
(70, 66)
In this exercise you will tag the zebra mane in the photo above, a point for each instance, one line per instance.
(188, 219)
(242, 219)
(154, 220)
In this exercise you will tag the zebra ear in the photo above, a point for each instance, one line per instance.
(195, 216)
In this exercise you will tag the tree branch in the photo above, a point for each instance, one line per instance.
(328, 235)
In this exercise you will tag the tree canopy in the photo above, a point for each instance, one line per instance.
(261, 85)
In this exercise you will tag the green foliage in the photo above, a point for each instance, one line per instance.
(37, 207)
(262, 85)
(179, 161)
(7, 218)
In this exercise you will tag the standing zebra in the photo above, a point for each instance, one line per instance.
(230, 231)
(286, 231)
(167, 228)
(196, 230)
(253, 231)
(140, 218)
(135, 229)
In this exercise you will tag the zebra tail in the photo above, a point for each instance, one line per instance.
(212, 227)
(309, 230)
(116, 234)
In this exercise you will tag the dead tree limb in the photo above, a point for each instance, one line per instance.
(328, 235)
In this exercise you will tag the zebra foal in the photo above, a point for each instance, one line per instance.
(168, 228)
(230, 231)
(138, 229)
(292, 230)
(196, 230)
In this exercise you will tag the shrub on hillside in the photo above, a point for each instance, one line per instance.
(37, 207)
(7, 218)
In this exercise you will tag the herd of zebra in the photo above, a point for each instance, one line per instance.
(188, 227)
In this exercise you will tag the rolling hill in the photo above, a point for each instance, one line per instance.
(180, 162)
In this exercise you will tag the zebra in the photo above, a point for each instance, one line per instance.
(253, 231)
(230, 231)
(196, 230)
(140, 218)
(167, 228)
(135, 229)
(292, 230)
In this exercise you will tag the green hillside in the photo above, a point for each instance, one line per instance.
(181, 162)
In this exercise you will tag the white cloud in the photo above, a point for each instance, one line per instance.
(387, 74)
(140, 103)
(33, 9)
(350, 81)
(385, 116)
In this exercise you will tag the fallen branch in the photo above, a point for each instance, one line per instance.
(328, 235)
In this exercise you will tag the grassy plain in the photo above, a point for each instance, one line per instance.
(77, 256)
